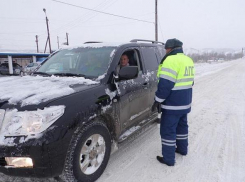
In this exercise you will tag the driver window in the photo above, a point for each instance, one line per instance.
(129, 58)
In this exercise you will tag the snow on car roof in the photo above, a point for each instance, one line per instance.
(97, 45)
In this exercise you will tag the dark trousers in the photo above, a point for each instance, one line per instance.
(174, 132)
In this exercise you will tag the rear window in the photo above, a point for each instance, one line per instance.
(162, 51)
(150, 58)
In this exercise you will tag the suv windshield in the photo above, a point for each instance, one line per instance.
(90, 62)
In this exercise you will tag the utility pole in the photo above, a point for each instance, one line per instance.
(67, 42)
(48, 30)
(37, 43)
(58, 42)
(46, 45)
(156, 23)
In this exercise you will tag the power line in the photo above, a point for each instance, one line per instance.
(116, 19)
(85, 15)
(102, 12)
(73, 24)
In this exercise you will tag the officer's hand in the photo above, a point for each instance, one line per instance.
(155, 106)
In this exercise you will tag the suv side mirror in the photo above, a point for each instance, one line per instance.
(128, 72)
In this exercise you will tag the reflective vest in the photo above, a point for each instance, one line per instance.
(176, 78)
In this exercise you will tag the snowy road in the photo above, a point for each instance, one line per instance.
(216, 136)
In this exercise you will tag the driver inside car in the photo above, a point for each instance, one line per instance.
(124, 61)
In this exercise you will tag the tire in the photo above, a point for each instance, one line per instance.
(88, 154)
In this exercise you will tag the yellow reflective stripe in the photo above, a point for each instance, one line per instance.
(169, 71)
(183, 84)
(167, 78)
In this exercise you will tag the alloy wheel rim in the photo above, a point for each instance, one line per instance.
(92, 154)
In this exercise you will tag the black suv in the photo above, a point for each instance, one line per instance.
(67, 118)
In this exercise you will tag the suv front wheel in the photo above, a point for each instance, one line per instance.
(89, 153)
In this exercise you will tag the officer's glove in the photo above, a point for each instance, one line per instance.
(156, 105)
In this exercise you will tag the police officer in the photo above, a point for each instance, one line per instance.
(174, 96)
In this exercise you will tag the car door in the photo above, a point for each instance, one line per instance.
(133, 96)
(151, 60)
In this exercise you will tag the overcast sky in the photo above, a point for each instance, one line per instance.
(199, 24)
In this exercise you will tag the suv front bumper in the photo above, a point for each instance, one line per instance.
(48, 159)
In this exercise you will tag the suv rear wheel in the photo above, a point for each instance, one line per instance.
(89, 153)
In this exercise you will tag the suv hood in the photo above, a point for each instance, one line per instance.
(33, 90)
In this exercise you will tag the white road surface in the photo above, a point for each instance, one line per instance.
(216, 136)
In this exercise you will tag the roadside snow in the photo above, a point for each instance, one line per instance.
(29, 90)
(203, 69)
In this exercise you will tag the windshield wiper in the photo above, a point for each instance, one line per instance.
(41, 73)
(69, 74)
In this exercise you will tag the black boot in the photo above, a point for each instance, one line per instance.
(160, 159)
(181, 153)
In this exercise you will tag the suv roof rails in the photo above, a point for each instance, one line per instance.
(142, 40)
(92, 42)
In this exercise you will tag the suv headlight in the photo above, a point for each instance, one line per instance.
(30, 122)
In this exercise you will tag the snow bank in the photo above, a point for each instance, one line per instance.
(203, 69)
(30, 90)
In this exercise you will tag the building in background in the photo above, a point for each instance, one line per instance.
(21, 59)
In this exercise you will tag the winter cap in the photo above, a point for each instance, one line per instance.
(173, 43)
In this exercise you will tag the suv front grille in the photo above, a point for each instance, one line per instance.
(2, 161)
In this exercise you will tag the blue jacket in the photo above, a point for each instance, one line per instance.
(176, 77)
